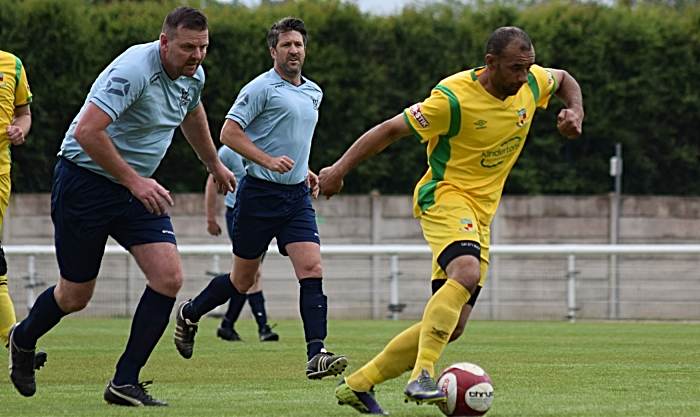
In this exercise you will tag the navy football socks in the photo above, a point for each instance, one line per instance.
(44, 316)
(149, 323)
(219, 290)
(257, 305)
(234, 310)
(313, 305)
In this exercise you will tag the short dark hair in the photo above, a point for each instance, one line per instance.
(287, 24)
(186, 17)
(502, 37)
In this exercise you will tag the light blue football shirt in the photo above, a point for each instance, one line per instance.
(145, 105)
(280, 119)
(234, 162)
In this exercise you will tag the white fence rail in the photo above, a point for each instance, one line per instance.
(507, 261)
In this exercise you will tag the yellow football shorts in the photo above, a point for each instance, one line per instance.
(450, 221)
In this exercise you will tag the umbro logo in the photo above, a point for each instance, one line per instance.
(481, 124)
(242, 100)
(118, 86)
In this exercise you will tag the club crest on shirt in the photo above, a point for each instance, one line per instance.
(185, 98)
(2, 80)
(522, 118)
(316, 102)
(467, 226)
(118, 86)
(418, 115)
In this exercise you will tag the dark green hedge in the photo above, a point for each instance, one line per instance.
(639, 70)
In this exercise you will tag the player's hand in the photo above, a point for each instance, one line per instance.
(330, 182)
(213, 228)
(223, 178)
(279, 164)
(151, 194)
(15, 135)
(312, 181)
(569, 123)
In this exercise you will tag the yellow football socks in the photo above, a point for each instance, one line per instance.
(7, 311)
(439, 321)
(398, 357)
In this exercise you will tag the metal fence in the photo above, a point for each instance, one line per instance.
(524, 282)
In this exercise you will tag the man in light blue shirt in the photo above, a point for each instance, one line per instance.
(102, 187)
(254, 296)
(271, 125)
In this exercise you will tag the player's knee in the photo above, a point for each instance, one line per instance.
(243, 283)
(167, 284)
(468, 279)
(311, 271)
(72, 303)
(173, 283)
(461, 261)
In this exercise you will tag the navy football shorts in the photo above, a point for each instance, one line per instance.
(265, 210)
(86, 208)
(229, 227)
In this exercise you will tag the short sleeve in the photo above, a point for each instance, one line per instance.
(232, 161)
(224, 156)
(432, 117)
(23, 95)
(544, 83)
(123, 86)
(249, 103)
(198, 90)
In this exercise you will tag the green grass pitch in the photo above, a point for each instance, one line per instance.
(538, 369)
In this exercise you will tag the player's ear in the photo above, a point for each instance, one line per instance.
(273, 53)
(490, 61)
(164, 41)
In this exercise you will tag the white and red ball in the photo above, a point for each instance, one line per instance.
(468, 389)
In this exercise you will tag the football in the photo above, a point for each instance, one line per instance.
(468, 389)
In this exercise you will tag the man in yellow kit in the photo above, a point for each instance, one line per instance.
(15, 122)
(475, 123)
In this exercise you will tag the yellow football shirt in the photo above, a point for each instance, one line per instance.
(14, 92)
(473, 138)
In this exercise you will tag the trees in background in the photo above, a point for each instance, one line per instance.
(638, 68)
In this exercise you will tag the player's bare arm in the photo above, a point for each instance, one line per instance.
(91, 135)
(210, 206)
(21, 124)
(371, 143)
(196, 130)
(570, 119)
(233, 136)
